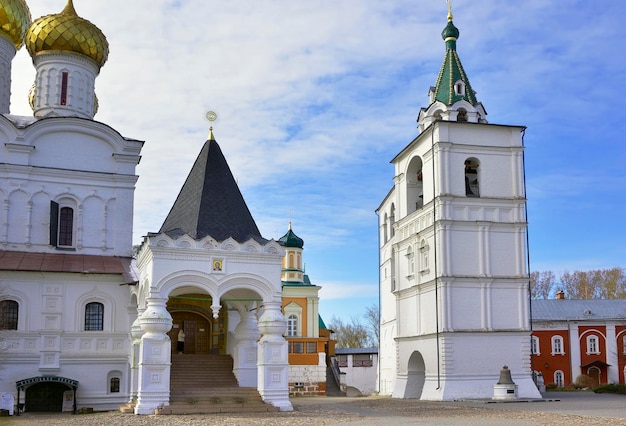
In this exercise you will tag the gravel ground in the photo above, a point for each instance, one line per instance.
(371, 411)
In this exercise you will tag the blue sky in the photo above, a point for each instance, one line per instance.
(315, 98)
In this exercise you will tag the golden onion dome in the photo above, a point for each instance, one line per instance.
(66, 31)
(14, 20)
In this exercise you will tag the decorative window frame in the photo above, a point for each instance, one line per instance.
(109, 312)
(15, 303)
(424, 258)
(593, 345)
(410, 259)
(293, 309)
(56, 208)
(560, 349)
(534, 346)
(112, 375)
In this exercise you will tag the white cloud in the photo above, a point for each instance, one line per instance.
(316, 97)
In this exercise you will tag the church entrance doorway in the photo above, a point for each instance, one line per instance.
(45, 397)
(192, 314)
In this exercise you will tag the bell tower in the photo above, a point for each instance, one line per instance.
(454, 277)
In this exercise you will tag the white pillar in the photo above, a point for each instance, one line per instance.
(154, 357)
(574, 343)
(611, 354)
(273, 361)
(135, 334)
(245, 356)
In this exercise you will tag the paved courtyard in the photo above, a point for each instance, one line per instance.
(558, 408)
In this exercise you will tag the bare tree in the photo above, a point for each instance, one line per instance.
(580, 285)
(541, 284)
(351, 334)
(614, 280)
(372, 320)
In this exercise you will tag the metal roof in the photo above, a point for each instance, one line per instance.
(353, 351)
(568, 309)
(210, 202)
(66, 262)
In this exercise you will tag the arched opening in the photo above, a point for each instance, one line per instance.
(472, 178)
(415, 185)
(416, 376)
(202, 334)
(461, 115)
(392, 220)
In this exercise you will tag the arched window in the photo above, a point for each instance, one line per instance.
(414, 185)
(592, 345)
(624, 345)
(557, 345)
(534, 345)
(94, 316)
(558, 379)
(461, 115)
(9, 310)
(292, 325)
(459, 88)
(66, 226)
(472, 188)
(114, 380)
(61, 225)
(392, 220)
(114, 385)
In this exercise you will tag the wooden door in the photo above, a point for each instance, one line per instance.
(189, 327)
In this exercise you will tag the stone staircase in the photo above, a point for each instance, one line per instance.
(201, 384)
(332, 388)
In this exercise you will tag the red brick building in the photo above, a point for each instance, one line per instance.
(571, 338)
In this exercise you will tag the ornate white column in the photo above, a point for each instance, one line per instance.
(135, 335)
(154, 357)
(245, 356)
(273, 361)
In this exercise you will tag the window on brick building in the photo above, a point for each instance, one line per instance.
(557, 345)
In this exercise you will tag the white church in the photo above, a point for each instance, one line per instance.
(82, 321)
(453, 251)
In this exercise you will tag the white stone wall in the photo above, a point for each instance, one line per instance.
(361, 381)
(77, 163)
(51, 339)
(307, 380)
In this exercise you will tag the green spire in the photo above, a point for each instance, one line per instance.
(291, 240)
(452, 83)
